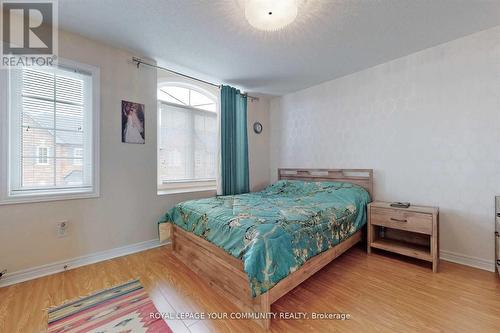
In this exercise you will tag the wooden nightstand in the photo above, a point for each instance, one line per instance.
(412, 231)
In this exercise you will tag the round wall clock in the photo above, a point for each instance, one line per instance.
(257, 127)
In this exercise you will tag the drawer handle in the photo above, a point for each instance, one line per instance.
(398, 220)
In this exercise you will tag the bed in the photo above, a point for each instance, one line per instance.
(306, 219)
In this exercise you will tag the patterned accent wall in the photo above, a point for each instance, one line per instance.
(427, 123)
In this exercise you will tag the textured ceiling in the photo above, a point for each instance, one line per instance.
(329, 39)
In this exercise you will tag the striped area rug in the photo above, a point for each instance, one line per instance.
(125, 308)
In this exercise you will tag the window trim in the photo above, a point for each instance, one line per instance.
(6, 194)
(191, 185)
(187, 186)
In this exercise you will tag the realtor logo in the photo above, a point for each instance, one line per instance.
(29, 33)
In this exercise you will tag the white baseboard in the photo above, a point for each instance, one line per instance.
(488, 265)
(60, 266)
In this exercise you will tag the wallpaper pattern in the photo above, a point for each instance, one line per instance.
(427, 123)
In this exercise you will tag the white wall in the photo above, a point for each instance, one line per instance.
(258, 144)
(128, 208)
(429, 126)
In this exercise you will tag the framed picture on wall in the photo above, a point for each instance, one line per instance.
(133, 130)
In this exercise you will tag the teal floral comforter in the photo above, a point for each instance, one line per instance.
(277, 230)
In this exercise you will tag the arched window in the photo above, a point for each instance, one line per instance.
(187, 138)
(187, 95)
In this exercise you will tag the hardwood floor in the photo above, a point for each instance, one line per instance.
(380, 292)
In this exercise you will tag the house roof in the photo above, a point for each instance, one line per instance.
(68, 125)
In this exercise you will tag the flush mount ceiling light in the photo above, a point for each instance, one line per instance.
(270, 15)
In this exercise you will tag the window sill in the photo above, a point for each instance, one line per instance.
(34, 198)
(186, 190)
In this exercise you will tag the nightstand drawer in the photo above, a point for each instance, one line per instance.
(397, 219)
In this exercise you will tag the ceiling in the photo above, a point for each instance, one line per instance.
(329, 39)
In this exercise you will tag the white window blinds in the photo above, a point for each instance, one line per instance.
(187, 144)
(50, 120)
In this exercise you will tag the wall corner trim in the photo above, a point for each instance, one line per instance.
(458, 258)
(58, 266)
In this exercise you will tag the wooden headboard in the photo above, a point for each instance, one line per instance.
(361, 177)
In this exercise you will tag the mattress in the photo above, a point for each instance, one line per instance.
(277, 230)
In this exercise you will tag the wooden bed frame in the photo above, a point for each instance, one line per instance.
(225, 273)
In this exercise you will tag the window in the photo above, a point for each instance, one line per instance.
(51, 148)
(187, 139)
(43, 155)
(78, 156)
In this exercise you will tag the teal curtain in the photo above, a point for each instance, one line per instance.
(234, 142)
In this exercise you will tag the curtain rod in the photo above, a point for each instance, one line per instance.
(139, 61)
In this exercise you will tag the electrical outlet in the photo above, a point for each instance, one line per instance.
(62, 228)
